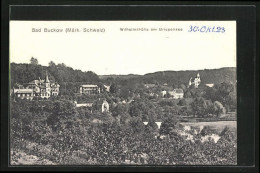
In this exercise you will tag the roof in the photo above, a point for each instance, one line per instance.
(21, 91)
(84, 104)
(210, 84)
(179, 91)
(149, 85)
(89, 85)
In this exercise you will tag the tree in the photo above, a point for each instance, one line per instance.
(169, 125)
(219, 108)
(136, 124)
(224, 93)
(182, 102)
(198, 106)
(52, 64)
(119, 109)
(34, 61)
(183, 87)
(187, 94)
(114, 88)
(207, 131)
(63, 115)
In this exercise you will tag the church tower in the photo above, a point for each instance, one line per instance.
(47, 81)
(47, 85)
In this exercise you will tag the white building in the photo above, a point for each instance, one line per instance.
(105, 106)
(176, 93)
(210, 85)
(196, 81)
(163, 93)
(89, 89)
(38, 88)
(107, 88)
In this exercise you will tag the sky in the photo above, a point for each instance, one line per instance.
(125, 52)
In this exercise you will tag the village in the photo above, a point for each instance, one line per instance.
(159, 112)
(45, 88)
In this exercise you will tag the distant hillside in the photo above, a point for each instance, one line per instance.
(128, 76)
(215, 76)
(66, 76)
(24, 73)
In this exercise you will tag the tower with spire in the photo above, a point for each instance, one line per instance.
(47, 81)
(47, 85)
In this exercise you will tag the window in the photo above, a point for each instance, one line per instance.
(18, 95)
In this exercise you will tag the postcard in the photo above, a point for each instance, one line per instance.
(123, 93)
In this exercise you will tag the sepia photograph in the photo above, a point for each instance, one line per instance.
(123, 92)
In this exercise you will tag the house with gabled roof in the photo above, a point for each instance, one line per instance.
(176, 93)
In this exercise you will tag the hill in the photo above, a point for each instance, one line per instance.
(128, 76)
(227, 74)
(66, 76)
(24, 73)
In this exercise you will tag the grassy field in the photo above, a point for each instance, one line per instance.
(217, 125)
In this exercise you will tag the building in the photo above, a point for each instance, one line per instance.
(149, 85)
(163, 93)
(107, 88)
(88, 105)
(209, 85)
(105, 106)
(176, 93)
(99, 105)
(38, 88)
(23, 93)
(196, 81)
(44, 88)
(89, 89)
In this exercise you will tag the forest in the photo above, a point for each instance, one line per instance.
(70, 79)
(56, 132)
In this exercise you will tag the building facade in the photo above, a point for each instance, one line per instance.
(23, 93)
(196, 81)
(105, 106)
(38, 88)
(176, 93)
(89, 89)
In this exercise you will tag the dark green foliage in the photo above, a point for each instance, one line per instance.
(68, 78)
(114, 88)
(120, 109)
(65, 135)
(167, 103)
(34, 61)
(169, 125)
(182, 102)
(203, 108)
(143, 108)
(88, 136)
(225, 93)
(207, 131)
(182, 77)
